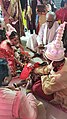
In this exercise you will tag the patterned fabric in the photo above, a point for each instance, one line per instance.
(12, 53)
(9, 55)
(25, 72)
(14, 104)
(6, 100)
(47, 34)
(61, 15)
(56, 83)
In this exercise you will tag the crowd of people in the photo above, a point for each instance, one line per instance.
(45, 80)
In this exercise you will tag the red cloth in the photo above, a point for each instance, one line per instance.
(25, 53)
(8, 53)
(37, 90)
(3, 53)
(25, 72)
(61, 14)
(36, 64)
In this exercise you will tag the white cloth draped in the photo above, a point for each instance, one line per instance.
(45, 36)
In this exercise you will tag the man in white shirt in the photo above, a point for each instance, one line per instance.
(46, 33)
(48, 30)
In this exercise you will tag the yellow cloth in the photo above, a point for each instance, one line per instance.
(24, 20)
(56, 83)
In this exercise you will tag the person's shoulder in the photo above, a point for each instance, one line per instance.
(59, 10)
(7, 90)
(56, 23)
(3, 42)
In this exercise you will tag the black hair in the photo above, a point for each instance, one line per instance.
(4, 71)
(12, 35)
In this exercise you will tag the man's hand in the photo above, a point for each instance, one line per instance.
(41, 46)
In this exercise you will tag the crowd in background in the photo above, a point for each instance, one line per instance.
(23, 14)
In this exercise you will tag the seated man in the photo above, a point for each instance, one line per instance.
(54, 82)
(46, 33)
